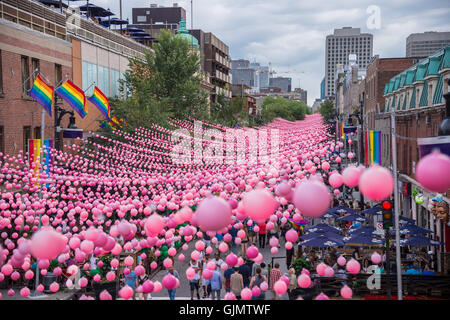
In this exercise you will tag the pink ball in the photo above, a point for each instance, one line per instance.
(110, 276)
(114, 263)
(335, 180)
(246, 294)
(353, 266)
(304, 281)
(274, 250)
(25, 292)
(207, 274)
(288, 245)
(351, 176)
(230, 296)
(280, 287)
(346, 292)
(376, 183)
(181, 257)
(433, 172)
(195, 255)
(87, 246)
(139, 270)
(320, 269)
(147, 286)
(190, 273)
(213, 214)
(223, 247)
(312, 198)
(154, 225)
(54, 287)
(256, 291)
(259, 205)
(341, 261)
(252, 252)
(376, 258)
(231, 260)
(322, 296)
(157, 286)
(153, 265)
(329, 272)
(169, 281)
(128, 261)
(273, 242)
(167, 263)
(264, 286)
(325, 165)
(291, 235)
(126, 292)
(104, 295)
(39, 247)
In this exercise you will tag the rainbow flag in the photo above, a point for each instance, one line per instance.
(115, 122)
(367, 147)
(34, 150)
(99, 99)
(74, 96)
(298, 225)
(106, 125)
(42, 93)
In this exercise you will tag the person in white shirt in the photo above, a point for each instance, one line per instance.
(217, 259)
(194, 283)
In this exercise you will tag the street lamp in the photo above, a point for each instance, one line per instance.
(72, 131)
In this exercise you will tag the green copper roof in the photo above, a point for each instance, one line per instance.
(412, 105)
(399, 103)
(438, 92)
(420, 73)
(404, 103)
(446, 59)
(396, 83)
(402, 80)
(386, 88)
(424, 97)
(391, 86)
(184, 33)
(433, 66)
(409, 77)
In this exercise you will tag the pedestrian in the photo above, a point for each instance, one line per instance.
(204, 281)
(173, 272)
(244, 242)
(262, 235)
(131, 281)
(217, 260)
(257, 279)
(236, 283)
(252, 233)
(264, 271)
(274, 232)
(289, 257)
(233, 233)
(194, 283)
(275, 275)
(216, 284)
(226, 279)
(246, 273)
(292, 282)
(254, 266)
(141, 279)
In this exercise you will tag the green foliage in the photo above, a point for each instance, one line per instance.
(300, 264)
(164, 83)
(274, 107)
(327, 110)
(229, 112)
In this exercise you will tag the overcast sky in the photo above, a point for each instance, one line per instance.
(291, 33)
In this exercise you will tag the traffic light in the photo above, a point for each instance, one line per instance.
(387, 214)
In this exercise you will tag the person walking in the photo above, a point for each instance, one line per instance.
(173, 272)
(244, 242)
(256, 281)
(194, 283)
(275, 275)
(216, 284)
(292, 282)
(246, 273)
(204, 281)
(262, 235)
(141, 279)
(131, 280)
(227, 279)
(237, 283)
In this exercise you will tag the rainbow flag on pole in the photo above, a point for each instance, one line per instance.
(99, 99)
(42, 93)
(373, 147)
(74, 96)
(34, 151)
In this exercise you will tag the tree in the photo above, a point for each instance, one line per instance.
(327, 110)
(291, 110)
(229, 112)
(164, 83)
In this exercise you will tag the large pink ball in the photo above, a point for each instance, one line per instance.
(190, 273)
(341, 261)
(304, 281)
(246, 294)
(252, 252)
(291, 235)
(207, 274)
(126, 292)
(25, 292)
(105, 295)
(346, 292)
(335, 180)
(147, 286)
(312, 198)
(353, 266)
(351, 176)
(213, 214)
(259, 205)
(231, 260)
(110, 276)
(39, 247)
(54, 287)
(321, 267)
(433, 172)
(167, 262)
(376, 258)
(325, 165)
(154, 225)
(169, 281)
(376, 183)
(280, 287)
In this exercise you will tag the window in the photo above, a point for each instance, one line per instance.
(1, 75)
(58, 74)
(37, 132)
(141, 19)
(89, 77)
(26, 137)
(25, 75)
(115, 76)
(35, 65)
(103, 80)
(2, 140)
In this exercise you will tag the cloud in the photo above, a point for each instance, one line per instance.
(291, 33)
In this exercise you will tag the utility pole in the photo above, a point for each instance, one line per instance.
(396, 206)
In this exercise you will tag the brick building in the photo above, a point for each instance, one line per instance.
(416, 96)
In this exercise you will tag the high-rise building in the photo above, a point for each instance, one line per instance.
(425, 44)
(322, 89)
(262, 74)
(285, 84)
(338, 46)
(243, 73)
(303, 94)
(153, 19)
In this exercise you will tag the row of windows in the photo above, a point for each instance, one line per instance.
(106, 79)
(330, 40)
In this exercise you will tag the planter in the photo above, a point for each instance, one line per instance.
(111, 287)
(47, 280)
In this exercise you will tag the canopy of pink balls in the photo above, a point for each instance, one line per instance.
(105, 189)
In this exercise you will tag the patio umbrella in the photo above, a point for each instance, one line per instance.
(316, 234)
(341, 209)
(363, 229)
(420, 241)
(113, 21)
(363, 239)
(373, 211)
(321, 226)
(55, 3)
(353, 217)
(133, 28)
(329, 215)
(322, 242)
(412, 229)
(95, 10)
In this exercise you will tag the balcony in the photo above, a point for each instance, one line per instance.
(223, 61)
(225, 92)
(222, 76)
